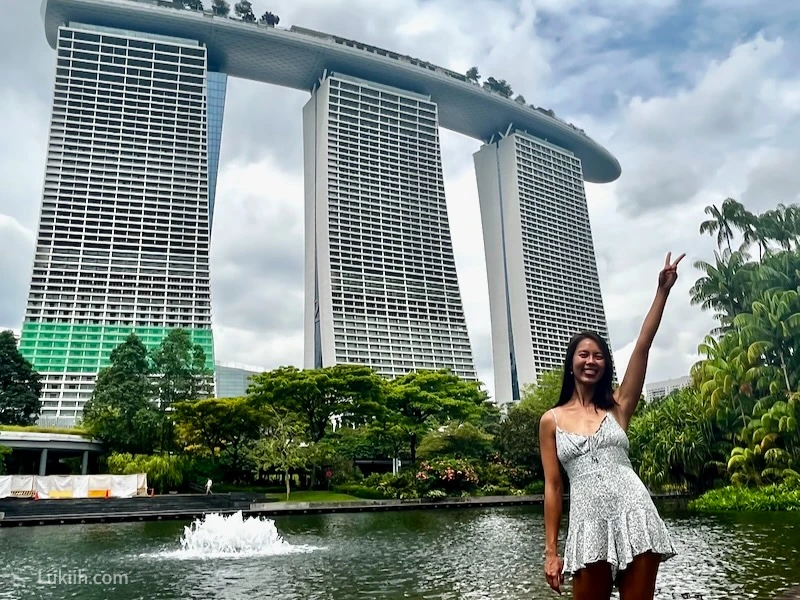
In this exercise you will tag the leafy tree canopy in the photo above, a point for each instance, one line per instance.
(120, 411)
(349, 392)
(20, 385)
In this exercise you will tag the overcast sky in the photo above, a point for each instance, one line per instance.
(699, 100)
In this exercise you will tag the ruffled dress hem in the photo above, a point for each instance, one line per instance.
(616, 540)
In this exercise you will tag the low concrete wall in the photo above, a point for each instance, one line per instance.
(18, 512)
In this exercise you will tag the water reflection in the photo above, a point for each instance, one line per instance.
(447, 555)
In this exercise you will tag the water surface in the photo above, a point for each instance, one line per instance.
(486, 554)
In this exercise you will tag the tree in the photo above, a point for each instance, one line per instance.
(770, 331)
(517, 441)
(4, 451)
(520, 99)
(547, 111)
(349, 392)
(673, 442)
(181, 369)
(723, 286)
(779, 225)
(270, 19)
(542, 395)
(244, 10)
(120, 411)
(20, 386)
(282, 449)
(219, 424)
(501, 87)
(732, 215)
(457, 440)
(473, 75)
(422, 399)
(189, 4)
(220, 7)
(181, 376)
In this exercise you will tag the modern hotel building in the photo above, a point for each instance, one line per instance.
(379, 258)
(540, 261)
(123, 241)
(129, 196)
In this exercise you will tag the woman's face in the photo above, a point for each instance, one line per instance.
(588, 364)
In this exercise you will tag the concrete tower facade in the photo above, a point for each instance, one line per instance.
(540, 260)
(124, 228)
(381, 283)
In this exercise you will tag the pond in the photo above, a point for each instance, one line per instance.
(449, 554)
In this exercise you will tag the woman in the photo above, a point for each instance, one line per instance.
(615, 532)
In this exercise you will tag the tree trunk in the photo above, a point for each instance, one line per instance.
(413, 448)
(785, 374)
(286, 479)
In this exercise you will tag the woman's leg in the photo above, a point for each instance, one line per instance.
(638, 580)
(593, 582)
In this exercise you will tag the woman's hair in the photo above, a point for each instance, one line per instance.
(603, 394)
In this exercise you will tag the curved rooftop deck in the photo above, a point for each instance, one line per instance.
(297, 58)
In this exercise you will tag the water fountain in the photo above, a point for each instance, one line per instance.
(233, 536)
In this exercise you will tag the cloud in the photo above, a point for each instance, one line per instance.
(774, 177)
(673, 145)
(16, 264)
(698, 103)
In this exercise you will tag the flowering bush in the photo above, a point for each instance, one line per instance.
(447, 474)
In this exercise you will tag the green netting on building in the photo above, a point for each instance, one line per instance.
(77, 348)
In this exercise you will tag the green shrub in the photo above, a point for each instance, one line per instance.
(164, 472)
(784, 496)
(404, 485)
(435, 494)
(4, 451)
(494, 490)
(536, 487)
(39, 429)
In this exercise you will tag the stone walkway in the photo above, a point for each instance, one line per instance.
(790, 594)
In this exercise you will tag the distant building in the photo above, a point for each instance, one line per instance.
(381, 285)
(232, 381)
(540, 259)
(124, 226)
(662, 389)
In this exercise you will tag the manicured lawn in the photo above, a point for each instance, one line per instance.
(37, 429)
(313, 496)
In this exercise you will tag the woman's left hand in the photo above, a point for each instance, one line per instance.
(669, 274)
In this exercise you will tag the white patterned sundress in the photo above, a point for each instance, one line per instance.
(611, 514)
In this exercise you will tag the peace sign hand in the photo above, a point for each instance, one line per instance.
(669, 274)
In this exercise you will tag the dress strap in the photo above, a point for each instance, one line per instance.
(553, 412)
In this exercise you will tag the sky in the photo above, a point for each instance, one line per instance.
(698, 99)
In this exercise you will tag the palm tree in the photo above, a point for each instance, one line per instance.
(781, 225)
(732, 215)
(724, 379)
(723, 286)
(270, 19)
(770, 331)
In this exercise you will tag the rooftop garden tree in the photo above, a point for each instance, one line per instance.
(244, 10)
(270, 19)
(220, 8)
